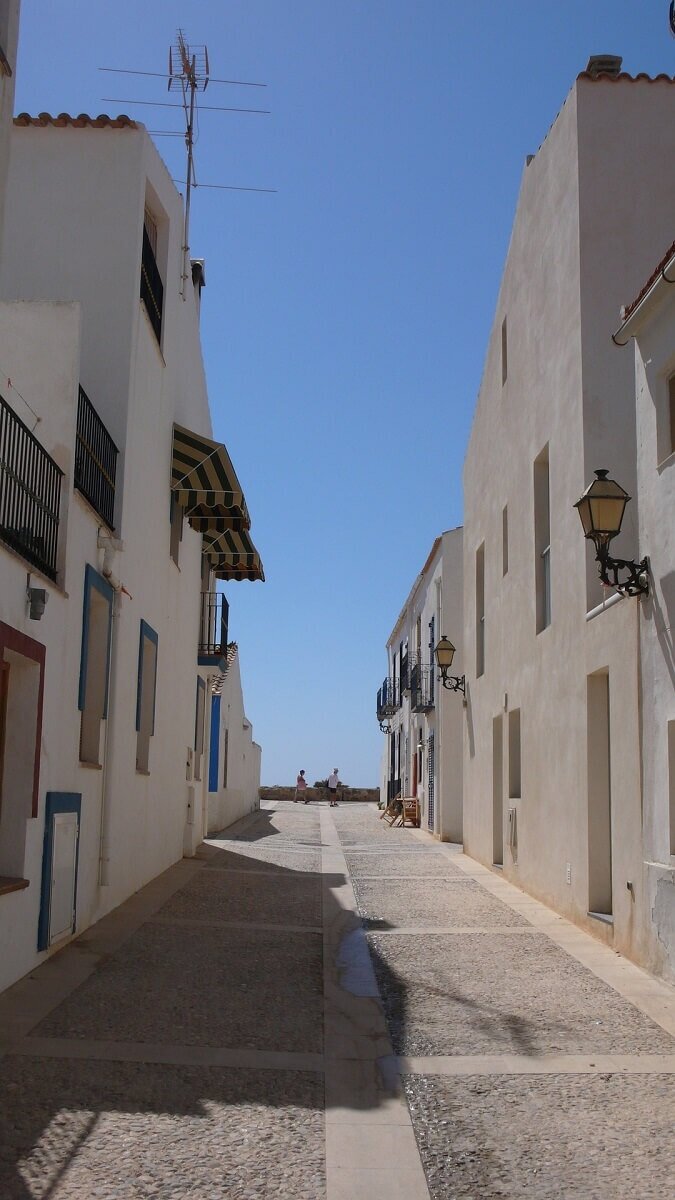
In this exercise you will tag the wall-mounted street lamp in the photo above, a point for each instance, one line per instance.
(444, 653)
(601, 510)
(385, 726)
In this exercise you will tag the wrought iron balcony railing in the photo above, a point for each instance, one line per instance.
(30, 494)
(388, 699)
(213, 624)
(422, 688)
(152, 288)
(95, 460)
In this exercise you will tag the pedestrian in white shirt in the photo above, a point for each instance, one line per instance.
(333, 782)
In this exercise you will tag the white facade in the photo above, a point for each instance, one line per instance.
(123, 745)
(652, 324)
(9, 37)
(552, 765)
(423, 750)
(234, 765)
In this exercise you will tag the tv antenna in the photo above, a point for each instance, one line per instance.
(189, 75)
(189, 72)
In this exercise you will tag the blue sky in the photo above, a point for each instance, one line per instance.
(345, 318)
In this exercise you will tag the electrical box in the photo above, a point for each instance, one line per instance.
(189, 764)
(512, 831)
(191, 806)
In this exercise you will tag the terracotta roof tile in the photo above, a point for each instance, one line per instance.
(605, 77)
(630, 308)
(103, 121)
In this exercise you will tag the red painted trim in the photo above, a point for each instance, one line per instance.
(20, 643)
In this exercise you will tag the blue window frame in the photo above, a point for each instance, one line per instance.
(93, 582)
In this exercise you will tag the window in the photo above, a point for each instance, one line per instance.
(152, 288)
(480, 610)
(432, 644)
(22, 663)
(514, 755)
(665, 431)
(94, 663)
(199, 727)
(505, 363)
(542, 541)
(176, 518)
(505, 539)
(145, 696)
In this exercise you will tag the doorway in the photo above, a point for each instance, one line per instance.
(498, 791)
(599, 795)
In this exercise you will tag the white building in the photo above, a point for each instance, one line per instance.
(117, 511)
(553, 794)
(423, 751)
(9, 37)
(650, 320)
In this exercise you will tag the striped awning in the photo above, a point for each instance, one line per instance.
(233, 555)
(205, 483)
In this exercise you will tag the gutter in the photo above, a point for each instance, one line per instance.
(656, 286)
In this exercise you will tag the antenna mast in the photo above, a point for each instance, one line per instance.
(189, 72)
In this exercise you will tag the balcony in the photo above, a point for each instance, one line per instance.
(30, 494)
(152, 288)
(422, 685)
(95, 460)
(213, 628)
(388, 699)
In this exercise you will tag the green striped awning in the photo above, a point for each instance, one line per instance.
(205, 483)
(233, 555)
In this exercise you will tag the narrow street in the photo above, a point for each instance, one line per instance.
(221, 1035)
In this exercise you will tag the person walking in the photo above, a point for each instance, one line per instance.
(301, 789)
(333, 782)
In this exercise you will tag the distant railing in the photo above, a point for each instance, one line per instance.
(213, 624)
(421, 688)
(388, 699)
(152, 288)
(405, 676)
(95, 460)
(30, 494)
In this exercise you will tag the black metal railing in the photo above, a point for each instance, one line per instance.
(152, 288)
(388, 699)
(95, 460)
(30, 493)
(213, 623)
(421, 688)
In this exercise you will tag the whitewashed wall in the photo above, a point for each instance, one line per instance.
(654, 331)
(73, 230)
(589, 217)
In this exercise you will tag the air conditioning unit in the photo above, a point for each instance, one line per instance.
(512, 830)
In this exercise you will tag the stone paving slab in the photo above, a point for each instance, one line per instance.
(301, 826)
(224, 987)
(485, 994)
(70, 1131)
(225, 896)
(410, 862)
(266, 857)
(547, 1137)
(408, 902)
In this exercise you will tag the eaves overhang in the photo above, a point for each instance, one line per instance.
(651, 292)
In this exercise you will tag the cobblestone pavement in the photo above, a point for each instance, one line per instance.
(232, 1033)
